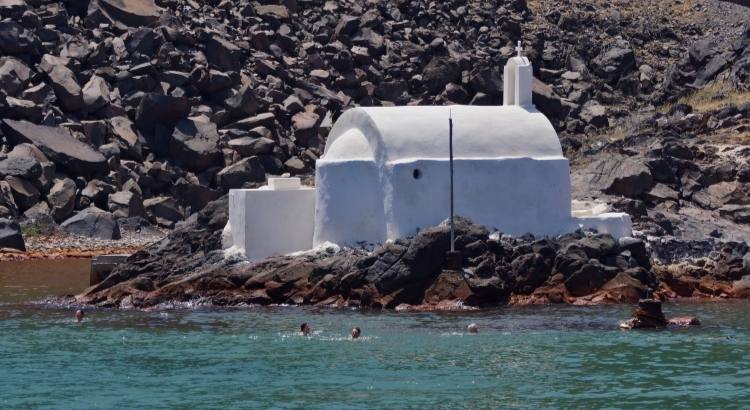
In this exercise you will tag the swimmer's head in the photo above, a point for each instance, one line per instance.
(79, 315)
(472, 328)
(356, 332)
(304, 329)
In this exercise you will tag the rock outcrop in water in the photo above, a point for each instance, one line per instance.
(574, 268)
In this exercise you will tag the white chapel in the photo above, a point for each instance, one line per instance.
(385, 174)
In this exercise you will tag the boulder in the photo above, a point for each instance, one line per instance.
(127, 138)
(125, 204)
(23, 110)
(546, 100)
(10, 235)
(59, 146)
(13, 75)
(97, 192)
(94, 223)
(248, 146)
(529, 272)
(439, 72)
(626, 176)
(123, 13)
(236, 175)
(589, 278)
(222, 53)
(195, 144)
(62, 199)
(16, 39)
(66, 88)
(24, 192)
(8, 207)
(648, 315)
(24, 167)
(163, 211)
(156, 115)
(95, 93)
(615, 63)
(595, 114)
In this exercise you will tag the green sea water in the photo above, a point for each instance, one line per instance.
(540, 357)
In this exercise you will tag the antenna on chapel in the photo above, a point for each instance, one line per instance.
(452, 258)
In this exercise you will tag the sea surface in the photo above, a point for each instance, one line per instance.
(539, 357)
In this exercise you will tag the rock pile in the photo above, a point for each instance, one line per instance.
(582, 268)
(151, 109)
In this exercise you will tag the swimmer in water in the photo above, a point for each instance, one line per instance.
(472, 328)
(355, 333)
(304, 329)
(79, 316)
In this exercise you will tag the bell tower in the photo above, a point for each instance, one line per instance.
(517, 80)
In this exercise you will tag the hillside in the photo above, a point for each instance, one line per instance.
(117, 114)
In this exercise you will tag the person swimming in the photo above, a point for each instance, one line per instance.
(472, 328)
(356, 332)
(304, 329)
(79, 316)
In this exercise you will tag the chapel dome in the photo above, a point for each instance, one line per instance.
(387, 134)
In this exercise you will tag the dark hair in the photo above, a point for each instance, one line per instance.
(303, 326)
(357, 329)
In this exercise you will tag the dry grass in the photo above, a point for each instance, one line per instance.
(716, 96)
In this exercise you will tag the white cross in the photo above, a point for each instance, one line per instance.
(519, 48)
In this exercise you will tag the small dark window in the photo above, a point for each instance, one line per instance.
(416, 174)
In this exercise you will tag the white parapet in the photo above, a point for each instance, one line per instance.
(615, 223)
(274, 219)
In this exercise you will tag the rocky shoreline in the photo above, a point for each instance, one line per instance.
(583, 268)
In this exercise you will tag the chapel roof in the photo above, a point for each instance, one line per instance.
(389, 134)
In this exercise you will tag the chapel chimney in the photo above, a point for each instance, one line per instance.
(517, 80)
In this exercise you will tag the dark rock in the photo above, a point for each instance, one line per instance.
(123, 13)
(94, 223)
(95, 93)
(62, 199)
(163, 211)
(66, 88)
(246, 170)
(156, 115)
(530, 271)
(58, 145)
(10, 235)
(589, 278)
(25, 194)
(615, 63)
(16, 40)
(247, 146)
(595, 115)
(621, 176)
(648, 316)
(439, 72)
(125, 204)
(126, 136)
(24, 167)
(194, 144)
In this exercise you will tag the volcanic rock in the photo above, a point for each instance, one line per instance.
(25, 193)
(236, 175)
(122, 13)
(24, 167)
(163, 211)
(194, 144)
(94, 223)
(125, 204)
(10, 235)
(58, 145)
(62, 199)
